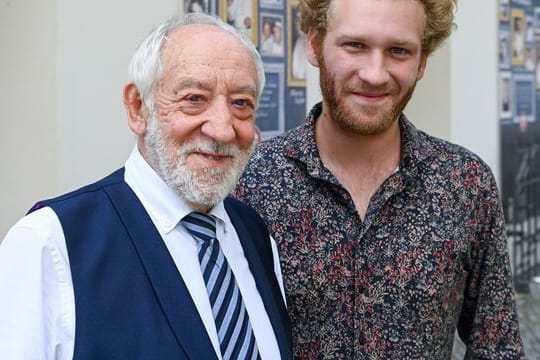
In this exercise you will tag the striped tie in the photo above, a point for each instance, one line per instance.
(236, 338)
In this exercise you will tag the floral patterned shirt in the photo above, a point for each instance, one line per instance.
(430, 256)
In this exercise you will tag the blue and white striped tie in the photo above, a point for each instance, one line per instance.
(235, 334)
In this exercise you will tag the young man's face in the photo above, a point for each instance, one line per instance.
(370, 61)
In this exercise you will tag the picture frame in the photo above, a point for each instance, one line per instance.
(505, 95)
(537, 68)
(504, 12)
(270, 115)
(271, 4)
(272, 40)
(193, 6)
(504, 47)
(517, 33)
(523, 98)
(242, 14)
(297, 43)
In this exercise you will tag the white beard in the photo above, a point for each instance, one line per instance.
(204, 187)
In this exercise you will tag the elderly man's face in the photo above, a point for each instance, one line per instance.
(201, 129)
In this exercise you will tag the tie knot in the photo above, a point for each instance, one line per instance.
(201, 226)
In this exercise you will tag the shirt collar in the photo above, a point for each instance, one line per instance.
(164, 206)
(300, 144)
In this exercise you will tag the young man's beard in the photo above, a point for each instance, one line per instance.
(369, 119)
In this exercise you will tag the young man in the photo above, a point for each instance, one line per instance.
(151, 262)
(390, 239)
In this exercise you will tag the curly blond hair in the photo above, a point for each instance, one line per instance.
(439, 20)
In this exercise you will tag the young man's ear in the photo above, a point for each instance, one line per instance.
(313, 47)
(135, 109)
(421, 67)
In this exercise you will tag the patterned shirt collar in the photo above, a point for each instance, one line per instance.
(300, 144)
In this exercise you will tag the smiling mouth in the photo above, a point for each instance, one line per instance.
(211, 156)
(372, 98)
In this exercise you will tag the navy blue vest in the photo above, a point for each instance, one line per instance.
(130, 300)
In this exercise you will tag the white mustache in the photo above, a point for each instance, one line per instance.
(208, 146)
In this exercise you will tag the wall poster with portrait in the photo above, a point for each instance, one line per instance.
(505, 103)
(242, 14)
(272, 25)
(517, 31)
(193, 6)
(297, 60)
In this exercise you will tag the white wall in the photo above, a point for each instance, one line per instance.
(95, 42)
(28, 137)
(429, 108)
(473, 85)
(64, 63)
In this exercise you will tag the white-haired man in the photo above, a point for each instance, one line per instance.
(151, 262)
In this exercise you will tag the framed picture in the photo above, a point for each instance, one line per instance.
(297, 40)
(270, 116)
(242, 14)
(504, 12)
(537, 68)
(517, 32)
(530, 57)
(272, 4)
(505, 90)
(272, 42)
(523, 98)
(193, 6)
(537, 20)
(504, 47)
(529, 28)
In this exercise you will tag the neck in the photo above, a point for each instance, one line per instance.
(361, 163)
(342, 149)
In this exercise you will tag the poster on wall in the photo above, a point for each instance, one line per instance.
(504, 47)
(517, 20)
(524, 89)
(193, 6)
(296, 76)
(273, 27)
(270, 119)
(242, 14)
(505, 104)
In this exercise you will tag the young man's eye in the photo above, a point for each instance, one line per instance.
(354, 45)
(399, 51)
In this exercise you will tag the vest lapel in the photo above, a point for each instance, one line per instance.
(168, 285)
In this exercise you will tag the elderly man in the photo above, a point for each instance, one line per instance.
(151, 262)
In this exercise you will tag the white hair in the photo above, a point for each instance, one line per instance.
(146, 66)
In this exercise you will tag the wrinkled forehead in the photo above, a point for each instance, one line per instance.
(206, 47)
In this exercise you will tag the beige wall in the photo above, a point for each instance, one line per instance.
(64, 63)
(429, 108)
(28, 136)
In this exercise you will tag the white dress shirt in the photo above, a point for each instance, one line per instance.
(37, 304)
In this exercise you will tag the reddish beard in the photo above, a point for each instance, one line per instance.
(368, 119)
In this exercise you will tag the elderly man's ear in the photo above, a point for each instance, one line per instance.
(135, 108)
